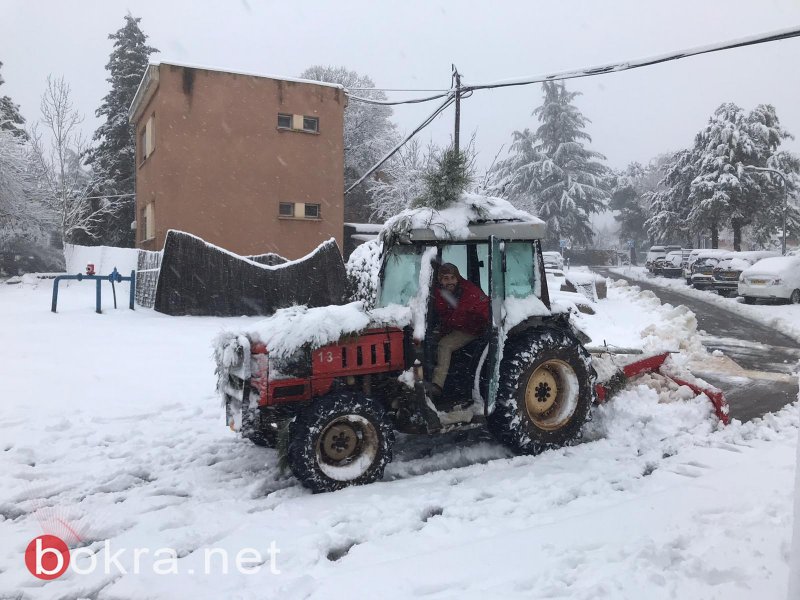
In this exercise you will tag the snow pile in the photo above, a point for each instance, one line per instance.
(453, 222)
(104, 259)
(784, 318)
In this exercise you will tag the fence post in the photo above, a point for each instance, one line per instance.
(133, 289)
(55, 295)
(98, 304)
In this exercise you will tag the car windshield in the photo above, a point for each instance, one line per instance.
(725, 264)
(708, 261)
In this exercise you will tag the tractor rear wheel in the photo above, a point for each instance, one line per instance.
(340, 440)
(545, 391)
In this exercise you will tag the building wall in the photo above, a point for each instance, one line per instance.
(220, 164)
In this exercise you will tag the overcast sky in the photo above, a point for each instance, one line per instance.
(410, 44)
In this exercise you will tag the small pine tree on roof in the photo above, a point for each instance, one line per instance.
(445, 181)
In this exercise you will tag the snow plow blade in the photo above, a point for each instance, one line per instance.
(653, 364)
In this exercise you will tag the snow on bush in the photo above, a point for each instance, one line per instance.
(363, 270)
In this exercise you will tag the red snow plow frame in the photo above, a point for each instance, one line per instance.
(653, 364)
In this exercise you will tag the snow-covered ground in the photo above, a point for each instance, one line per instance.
(110, 430)
(783, 317)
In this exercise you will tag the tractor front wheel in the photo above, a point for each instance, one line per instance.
(545, 391)
(340, 440)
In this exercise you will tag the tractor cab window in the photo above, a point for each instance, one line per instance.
(521, 273)
(400, 280)
(472, 260)
(457, 255)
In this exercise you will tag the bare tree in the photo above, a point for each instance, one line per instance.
(63, 181)
(22, 216)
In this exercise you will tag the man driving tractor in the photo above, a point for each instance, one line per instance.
(463, 313)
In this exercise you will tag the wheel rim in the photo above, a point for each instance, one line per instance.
(551, 395)
(347, 447)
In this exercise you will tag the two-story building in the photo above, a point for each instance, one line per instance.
(250, 163)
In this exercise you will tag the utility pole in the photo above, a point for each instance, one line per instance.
(457, 85)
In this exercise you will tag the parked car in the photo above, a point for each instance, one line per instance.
(553, 260)
(703, 268)
(775, 278)
(675, 262)
(652, 254)
(726, 273)
(687, 268)
(655, 257)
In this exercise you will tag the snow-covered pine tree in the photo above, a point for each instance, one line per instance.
(113, 159)
(670, 206)
(551, 172)
(768, 134)
(628, 199)
(10, 118)
(723, 192)
(777, 198)
(369, 133)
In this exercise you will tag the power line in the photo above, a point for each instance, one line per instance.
(763, 38)
(420, 127)
(465, 91)
(396, 102)
(617, 67)
(374, 89)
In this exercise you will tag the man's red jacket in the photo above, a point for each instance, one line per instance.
(470, 313)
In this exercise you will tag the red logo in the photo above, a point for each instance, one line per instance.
(47, 557)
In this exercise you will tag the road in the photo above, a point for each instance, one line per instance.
(762, 379)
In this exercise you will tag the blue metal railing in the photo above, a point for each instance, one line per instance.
(113, 277)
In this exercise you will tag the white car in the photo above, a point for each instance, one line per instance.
(774, 278)
(553, 260)
(727, 272)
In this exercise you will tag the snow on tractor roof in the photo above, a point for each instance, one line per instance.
(472, 217)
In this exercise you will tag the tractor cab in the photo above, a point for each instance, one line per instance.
(502, 260)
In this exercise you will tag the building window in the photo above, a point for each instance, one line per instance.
(312, 211)
(298, 123)
(142, 146)
(284, 121)
(148, 227)
(147, 139)
(299, 210)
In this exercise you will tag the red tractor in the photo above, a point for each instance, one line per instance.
(333, 406)
(337, 405)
